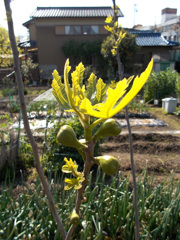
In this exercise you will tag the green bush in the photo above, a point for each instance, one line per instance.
(35, 92)
(5, 92)
(26, 157)
(25, 91)
(161, 85)
(42, 91)
(138, 106)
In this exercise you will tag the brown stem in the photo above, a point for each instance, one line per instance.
(119, 64)
(25, 118)
(87, 166)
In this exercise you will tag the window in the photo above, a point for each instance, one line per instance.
(90, 30)
(85, 30)
(73, 30)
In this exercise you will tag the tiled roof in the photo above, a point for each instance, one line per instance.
(147, 38)
(27, 44)
(41, 12)
(151, 40)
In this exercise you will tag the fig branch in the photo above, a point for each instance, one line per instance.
(89, 156)
(108, 164)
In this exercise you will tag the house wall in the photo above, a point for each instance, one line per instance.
(161, 56)
(50, 37)
(32, 30)
(68, 21)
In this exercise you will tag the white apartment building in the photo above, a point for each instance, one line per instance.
(170, 24)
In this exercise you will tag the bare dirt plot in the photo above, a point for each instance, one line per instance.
(159, 152)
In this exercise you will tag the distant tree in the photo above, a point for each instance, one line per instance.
(127, 50)
(6, 59)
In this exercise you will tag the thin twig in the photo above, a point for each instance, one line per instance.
(25, 118)
(134, 177)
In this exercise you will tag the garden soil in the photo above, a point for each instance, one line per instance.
(158, 152)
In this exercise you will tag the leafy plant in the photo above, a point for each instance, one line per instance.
(107, 209)
(138, 106)
(5, 92)
(9, 146)
(87, 102)
(126, 50)
(26, 158)
(5, 49)
(28, 68)
(161, 85)
(85, 51)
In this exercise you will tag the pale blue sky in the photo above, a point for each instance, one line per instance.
(148, 12)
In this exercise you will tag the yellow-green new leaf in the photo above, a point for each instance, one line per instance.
(73, 97)
(114, 95)
(109, 19)
(115, 25)
(58, 90)
(74, 182)
(79, 73)
(109, 108)
(109, 29)
(67, 68)
(70, 183)
(100, 90)
(114, 52)
(91, 87)
(70, 166)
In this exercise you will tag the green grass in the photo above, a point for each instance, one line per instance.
(107, 210)
(171, 119)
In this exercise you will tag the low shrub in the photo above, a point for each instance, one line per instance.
(5, 92)
(137, 106)
(42, 91)
(9, 91)
(161, 85)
